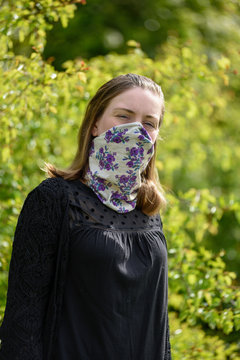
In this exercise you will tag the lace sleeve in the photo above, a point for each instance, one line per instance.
(30, 276)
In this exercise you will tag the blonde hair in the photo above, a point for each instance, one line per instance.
(150, 196)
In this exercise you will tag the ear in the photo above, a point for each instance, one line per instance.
(95, 129)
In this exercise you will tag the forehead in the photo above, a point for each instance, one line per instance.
(137, 99)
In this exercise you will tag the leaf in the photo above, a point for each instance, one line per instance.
(224, 63)
(21, 35)
(186, 53)
(53, 109)
(237, 322)
(64, 20)
(133, 43)
(192, 279)
(208, 298)
(227, 327)
(5, 154)
(82, 76)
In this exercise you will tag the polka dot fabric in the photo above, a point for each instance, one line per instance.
(86, 208)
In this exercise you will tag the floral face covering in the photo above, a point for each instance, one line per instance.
(116, 160)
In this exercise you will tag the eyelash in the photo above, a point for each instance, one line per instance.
(123, 116)
(126, 117)
(148, 123)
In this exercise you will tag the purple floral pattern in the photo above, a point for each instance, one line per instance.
(91, 152)
(114, 172)
(116, 136)
(106, 159)
(98, 184)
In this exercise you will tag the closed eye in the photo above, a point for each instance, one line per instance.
(149, 124)
(122, 116)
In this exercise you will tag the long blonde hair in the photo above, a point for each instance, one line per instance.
(150, 196)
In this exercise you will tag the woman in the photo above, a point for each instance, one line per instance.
(88, 273)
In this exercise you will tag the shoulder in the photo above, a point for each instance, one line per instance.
(49, 191)
(52, 185)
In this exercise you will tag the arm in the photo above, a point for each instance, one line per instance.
(168, 345)
(30, 277)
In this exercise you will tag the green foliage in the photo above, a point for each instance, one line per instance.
(212, 25)
(192, 343)
(41, 110)
(31, 19)
(202, 290)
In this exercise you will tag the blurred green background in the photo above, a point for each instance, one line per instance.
(53, 57)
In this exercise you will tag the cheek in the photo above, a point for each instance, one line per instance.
(153, 135)
(153, 138)
(106, 123)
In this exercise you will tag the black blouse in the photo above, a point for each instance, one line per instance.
(115, 297)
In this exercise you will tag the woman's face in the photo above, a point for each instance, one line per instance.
(132, 105)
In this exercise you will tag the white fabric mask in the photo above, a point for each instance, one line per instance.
(116, 160)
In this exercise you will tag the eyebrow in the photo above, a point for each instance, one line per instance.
(132, 112)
